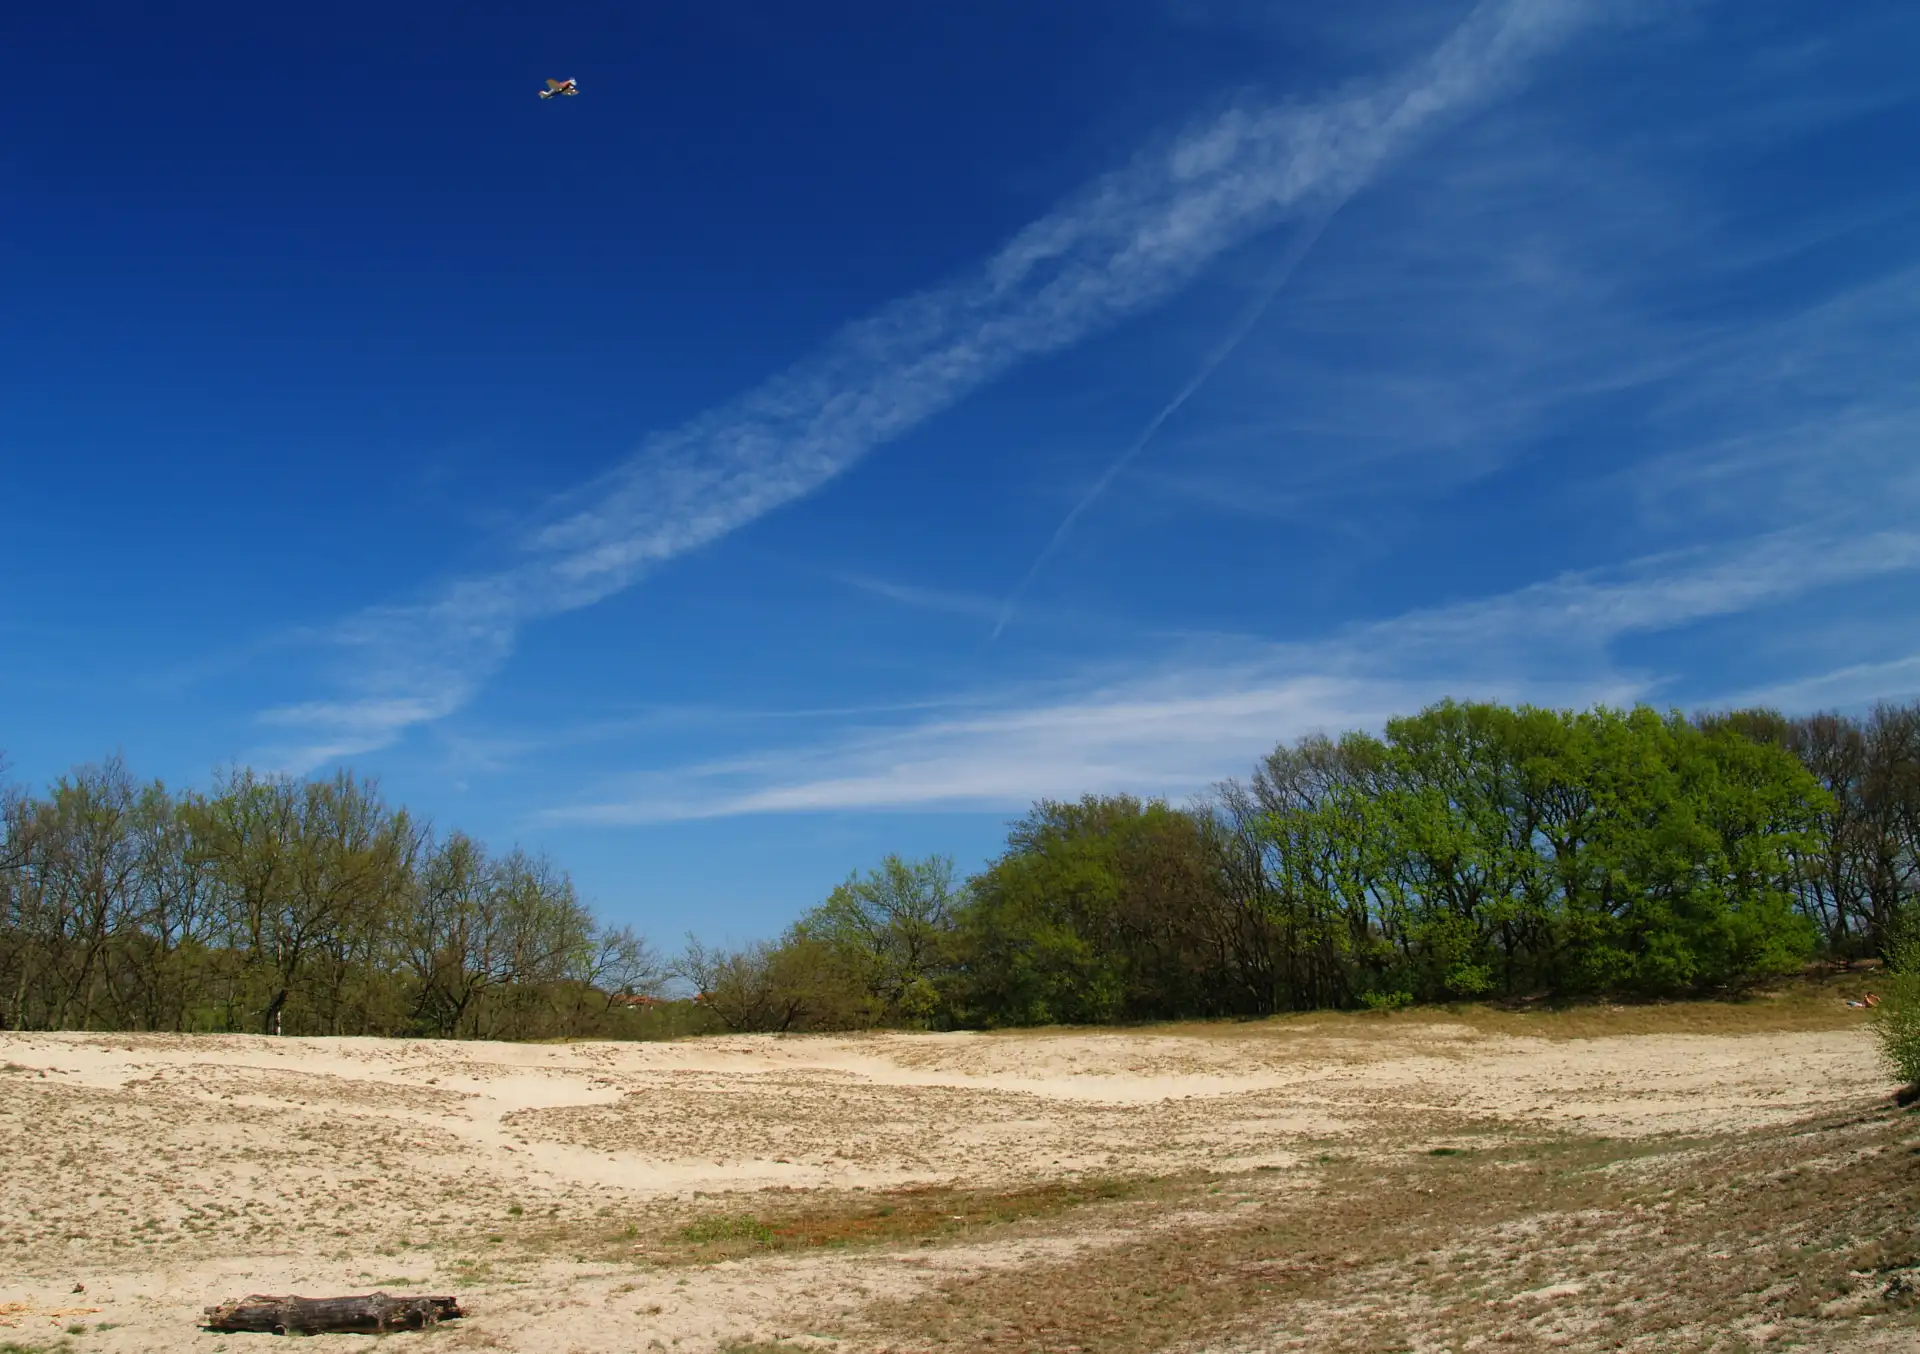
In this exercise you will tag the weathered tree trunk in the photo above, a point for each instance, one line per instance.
(372, 1313)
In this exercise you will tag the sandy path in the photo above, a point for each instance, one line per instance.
(166, 1172)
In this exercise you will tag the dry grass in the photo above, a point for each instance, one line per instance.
(1809, 1004)
(1675, 1245)
(914, 1216)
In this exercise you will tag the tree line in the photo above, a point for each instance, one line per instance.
(1470, 851)
(289, 906)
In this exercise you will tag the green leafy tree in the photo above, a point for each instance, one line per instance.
(891, 930)
(1108, 908)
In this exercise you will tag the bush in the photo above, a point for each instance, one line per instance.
(1896, 1020)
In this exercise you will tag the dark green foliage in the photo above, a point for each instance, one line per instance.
(1474, 851)
(1096, 913)
(1531, 850)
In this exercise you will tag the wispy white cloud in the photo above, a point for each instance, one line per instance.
(332, 730)
(1175, 736)
(1129, 241)
(1584, 612)
(1826, 406)
(1848, 687)
(1186, 727)
(980, 606)
(501, 749)
(1282, 274)
(924, 598)
(1485, 301)
(1579, 282)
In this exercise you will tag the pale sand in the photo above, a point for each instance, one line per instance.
(165, 1172)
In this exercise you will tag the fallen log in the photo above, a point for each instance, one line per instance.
(372, 1313)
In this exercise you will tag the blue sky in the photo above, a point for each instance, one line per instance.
(841, 425)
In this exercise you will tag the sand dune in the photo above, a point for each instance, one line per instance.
(162, 1173)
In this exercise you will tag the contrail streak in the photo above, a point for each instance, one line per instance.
(1127, 242)
(1284, 270)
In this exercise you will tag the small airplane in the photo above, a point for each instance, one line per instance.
(567, 87)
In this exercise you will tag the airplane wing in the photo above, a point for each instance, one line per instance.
(556, 84)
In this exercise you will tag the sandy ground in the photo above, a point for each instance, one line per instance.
(144, 1177)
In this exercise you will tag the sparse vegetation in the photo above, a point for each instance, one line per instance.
(825, 1220)
(1567, 1243)
(728, 1231)
(893, 1217)
(1329, 1178)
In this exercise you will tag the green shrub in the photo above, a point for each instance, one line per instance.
(728, 1227)
(1896, 1021)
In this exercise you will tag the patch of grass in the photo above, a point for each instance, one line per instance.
(801, 1220)
(472, 1270)
(724, 1228)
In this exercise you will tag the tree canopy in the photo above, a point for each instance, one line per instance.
(287, 906)
(1467, 851)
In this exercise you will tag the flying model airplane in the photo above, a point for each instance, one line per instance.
(554, 87)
